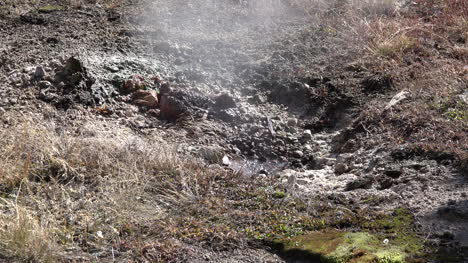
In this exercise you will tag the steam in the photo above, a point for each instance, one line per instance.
(214, 37)
(216, 18)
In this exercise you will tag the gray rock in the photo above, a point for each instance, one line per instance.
(39, 73)
(257, 99)
(360, 183)
(226, 160)
(307, 135)
(228, 115)
(464, 97)
(298, 154)
(397, 99)
(212, 154)
(225, 101)
(341, 168)
(44, 84)
(385, 183)
(292, 122)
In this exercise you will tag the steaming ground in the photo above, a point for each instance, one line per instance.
(288, 78)
(237, 48)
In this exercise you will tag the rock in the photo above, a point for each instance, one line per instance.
(212, 154)
(228, 115)
(76, 85)
(307, 135)
(298, 154)
(165, 88)
(154, 112)
(341, 168)
(145, 98)
(292, 122)
(225, 101)
(360, 183)
(99, 234)
(270, 127)
(39, 73)
(257, 99)
(171, 108)
(385, 183)
(464, 96)
(133, 84)
(112, 69)
(43, 84)
(397, 99)
(226, 160)
(292, 179)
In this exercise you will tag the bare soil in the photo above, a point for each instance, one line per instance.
(276, 114)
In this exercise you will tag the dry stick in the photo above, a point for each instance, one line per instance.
(25, 171)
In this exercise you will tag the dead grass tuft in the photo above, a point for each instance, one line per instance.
(395, 47)
(424, 50)
(24, 236)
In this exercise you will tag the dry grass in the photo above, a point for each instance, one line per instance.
(24, 236)
(83, 185)
(20, 7)
(395, 47)
(340, 7)
(78, 193)
(86, 193)
(423, 50)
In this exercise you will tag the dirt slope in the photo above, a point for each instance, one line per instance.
(191, 131)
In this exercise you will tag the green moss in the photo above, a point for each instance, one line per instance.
(451, 109)
(340, 247)
(400, 225)
(400, 219)
(50, 8)
(279, 194)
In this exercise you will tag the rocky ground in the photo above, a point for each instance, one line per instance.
(232, 131)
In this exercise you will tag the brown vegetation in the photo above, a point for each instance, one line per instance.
(71, 195)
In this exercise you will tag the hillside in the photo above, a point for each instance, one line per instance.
(234, 131)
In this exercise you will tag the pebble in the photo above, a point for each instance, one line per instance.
(341, 168)
(226, 161)
(39, 73)
(292, 122)
(99, 234)
(44, 84)
(298, 154)
(307, 135)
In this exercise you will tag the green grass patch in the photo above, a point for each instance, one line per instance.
(50, 8)
(340, 247)
(454, 110)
